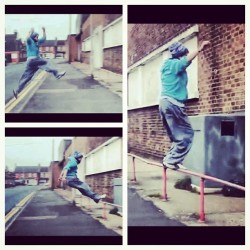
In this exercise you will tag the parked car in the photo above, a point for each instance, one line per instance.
(20, 182)
(9, 184)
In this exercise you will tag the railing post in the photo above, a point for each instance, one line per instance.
(202, 209)
(164, 192)
(134, 176)
(104, 216)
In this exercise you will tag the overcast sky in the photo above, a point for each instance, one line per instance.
(57, 25)
(31, 151)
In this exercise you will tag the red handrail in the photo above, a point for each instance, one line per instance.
(202, 177)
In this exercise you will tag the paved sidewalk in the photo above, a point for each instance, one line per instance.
(108, 79)
(183, 205)
(48, 214)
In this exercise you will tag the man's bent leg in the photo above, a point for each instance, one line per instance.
(84, 189)
(44, 65)
(27, 76)
(180, 132)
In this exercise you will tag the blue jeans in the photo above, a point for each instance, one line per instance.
(83, 187)
(179, 130)
(32, 66)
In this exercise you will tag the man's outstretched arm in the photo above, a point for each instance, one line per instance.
(41, 40)
(194, 53)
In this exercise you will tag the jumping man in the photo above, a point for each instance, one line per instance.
(69, 176)
(34, 61)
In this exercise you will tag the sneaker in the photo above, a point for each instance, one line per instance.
(60, 75)
(170, 166)
(15, 93)
(100, 197)
(176, 166)
(180, 166)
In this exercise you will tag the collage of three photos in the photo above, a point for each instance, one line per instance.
(163, 161)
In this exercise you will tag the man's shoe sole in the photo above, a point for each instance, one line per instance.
(59, 77)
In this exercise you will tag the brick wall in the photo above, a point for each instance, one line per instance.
(103, 183)
(145, 38)
(85, 57)
(97, 20)
(85, 144)
(112, 59)
(54, 173)
(71, 48)
(221, 79)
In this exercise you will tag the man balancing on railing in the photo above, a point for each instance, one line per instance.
(69, 176)
(172, 103)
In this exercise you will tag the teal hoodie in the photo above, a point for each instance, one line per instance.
(33, 47)
(174, 78)
(71, 166)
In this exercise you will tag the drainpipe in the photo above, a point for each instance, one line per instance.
(91, 51)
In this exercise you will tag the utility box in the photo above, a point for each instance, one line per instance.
(118, 192)
(218, 148)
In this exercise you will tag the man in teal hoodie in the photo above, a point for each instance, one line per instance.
(69, 175)
(34, 61)
(172, 103)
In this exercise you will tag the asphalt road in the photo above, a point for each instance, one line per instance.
(144, 213)
(16, 194)
(73, 93)
(13, 73)
(48, 214)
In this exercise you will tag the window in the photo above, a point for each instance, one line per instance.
(112, 34)
(144, 77)
(86, 45)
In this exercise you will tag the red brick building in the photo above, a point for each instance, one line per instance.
(217, 77)
(99, 41)
(32, 175)
(52, 48)
(15, 50)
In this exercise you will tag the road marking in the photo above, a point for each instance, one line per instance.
(38, 217)
(18, 207)
(13, 102)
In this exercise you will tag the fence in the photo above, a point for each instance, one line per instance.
(202, 177)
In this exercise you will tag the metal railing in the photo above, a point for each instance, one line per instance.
(202, 177)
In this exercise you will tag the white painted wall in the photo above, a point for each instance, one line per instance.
(144, 78)
(106, 157)
(112, 34)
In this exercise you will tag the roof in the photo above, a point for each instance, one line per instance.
(52, 43)
(44, 169)
(25, 169)
(31, 169)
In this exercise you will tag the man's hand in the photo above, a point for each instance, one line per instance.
(203, 45)
(43, 28)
